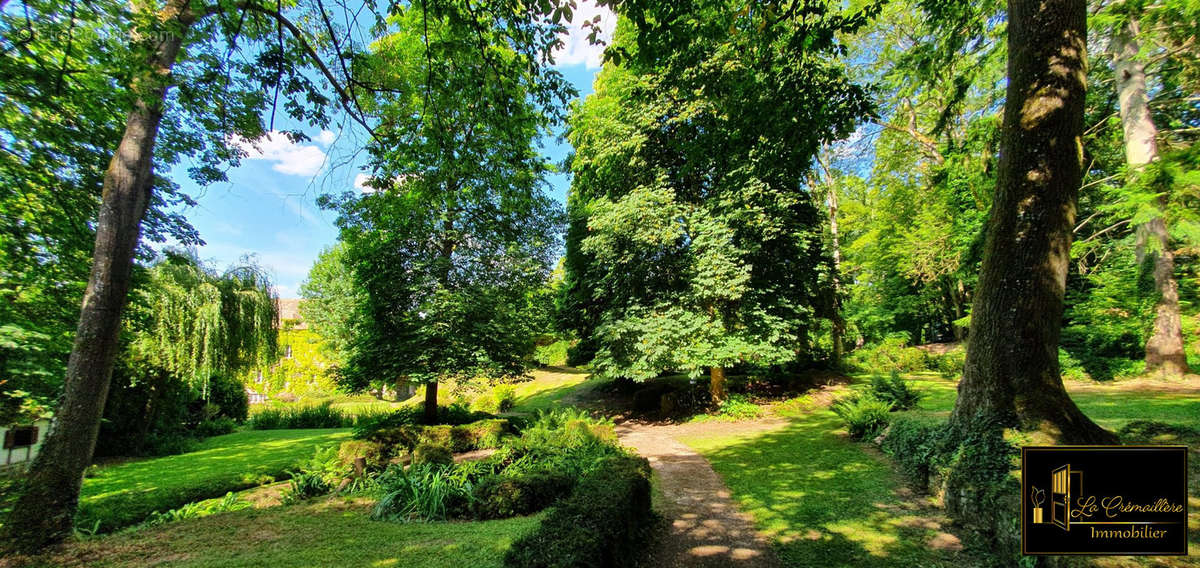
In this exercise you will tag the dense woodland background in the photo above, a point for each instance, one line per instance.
(757, 189)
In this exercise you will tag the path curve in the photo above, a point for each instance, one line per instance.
(704, 527)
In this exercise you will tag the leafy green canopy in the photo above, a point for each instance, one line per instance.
(693, 242)
(331, 297)
(455, 239)
(66, 69)
(196, 323)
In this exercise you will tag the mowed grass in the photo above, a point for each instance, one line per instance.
(327, 532)
(122, 495)
(549, 388)
(823, 499)
(1111, 405)
(828, 501)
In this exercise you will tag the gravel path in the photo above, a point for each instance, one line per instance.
(705, 528)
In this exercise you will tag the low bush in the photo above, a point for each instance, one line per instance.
(423, 492)
(231, 502)
(215, 427)
(375, 454)
(865, 416)
(427, 453)
(503, 496)
(319, 416)
(892, 354)
(552, 354)
(1152, 431)
(971, 471)
(501, 398)
(896, 391)
(306, 485)
(914, 445)
(604, 522)
(738, 407)
(949, 364)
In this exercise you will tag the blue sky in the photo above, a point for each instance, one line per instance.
(268, 206)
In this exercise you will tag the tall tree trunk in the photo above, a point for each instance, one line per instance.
(1012, 376)
(1164, 348)
(839, 323)
(431, 405)
(716, 384)
(45, 512)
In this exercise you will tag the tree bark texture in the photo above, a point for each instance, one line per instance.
(44, 514)
(1012, 376)
(1164, 348)
(716, 384)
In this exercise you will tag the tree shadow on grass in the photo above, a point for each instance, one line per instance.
(826, 501)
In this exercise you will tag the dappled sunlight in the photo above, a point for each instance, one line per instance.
(825, 500)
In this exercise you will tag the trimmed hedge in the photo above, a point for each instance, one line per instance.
(603, 523)
(503, 496)
(381, 445)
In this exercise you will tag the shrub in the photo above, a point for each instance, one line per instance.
(1149, 430)
(553, 354)
(229, 396)
(306, 485)
(376, 455)
(738, 407)
(865, 416)
(949, 364)
(231, 502)
(501, 398)
(604, 521)
(423, 492)
(502, 496)
(895, 390)
(892, 354)
(215, 427)
(318, 476)
(426, 453)
(914, 445)
(319, 416)
(484, 433)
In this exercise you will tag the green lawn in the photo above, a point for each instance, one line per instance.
(126, 494)
(327, 532)
(824, 500)
(1111, 405)
(828, 501)
(548, 388)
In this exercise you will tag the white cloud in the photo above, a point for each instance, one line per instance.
(325, 138)
(290, 158)
(360, 183)
(576, 49)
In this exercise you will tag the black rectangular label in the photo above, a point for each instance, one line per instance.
(1104, 500)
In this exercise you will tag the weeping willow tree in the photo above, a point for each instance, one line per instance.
(197, 323)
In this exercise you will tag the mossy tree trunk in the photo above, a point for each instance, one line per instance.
(1012, 376)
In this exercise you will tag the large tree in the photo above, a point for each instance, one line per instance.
(198, 122)
(458, 229)
(1155, 247)
(694, 245)
(1012, 376)
(331, 298)
(213, 69)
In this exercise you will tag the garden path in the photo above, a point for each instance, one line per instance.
(706, 529)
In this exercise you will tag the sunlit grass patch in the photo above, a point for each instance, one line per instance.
(824, 499)
(125, 494)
